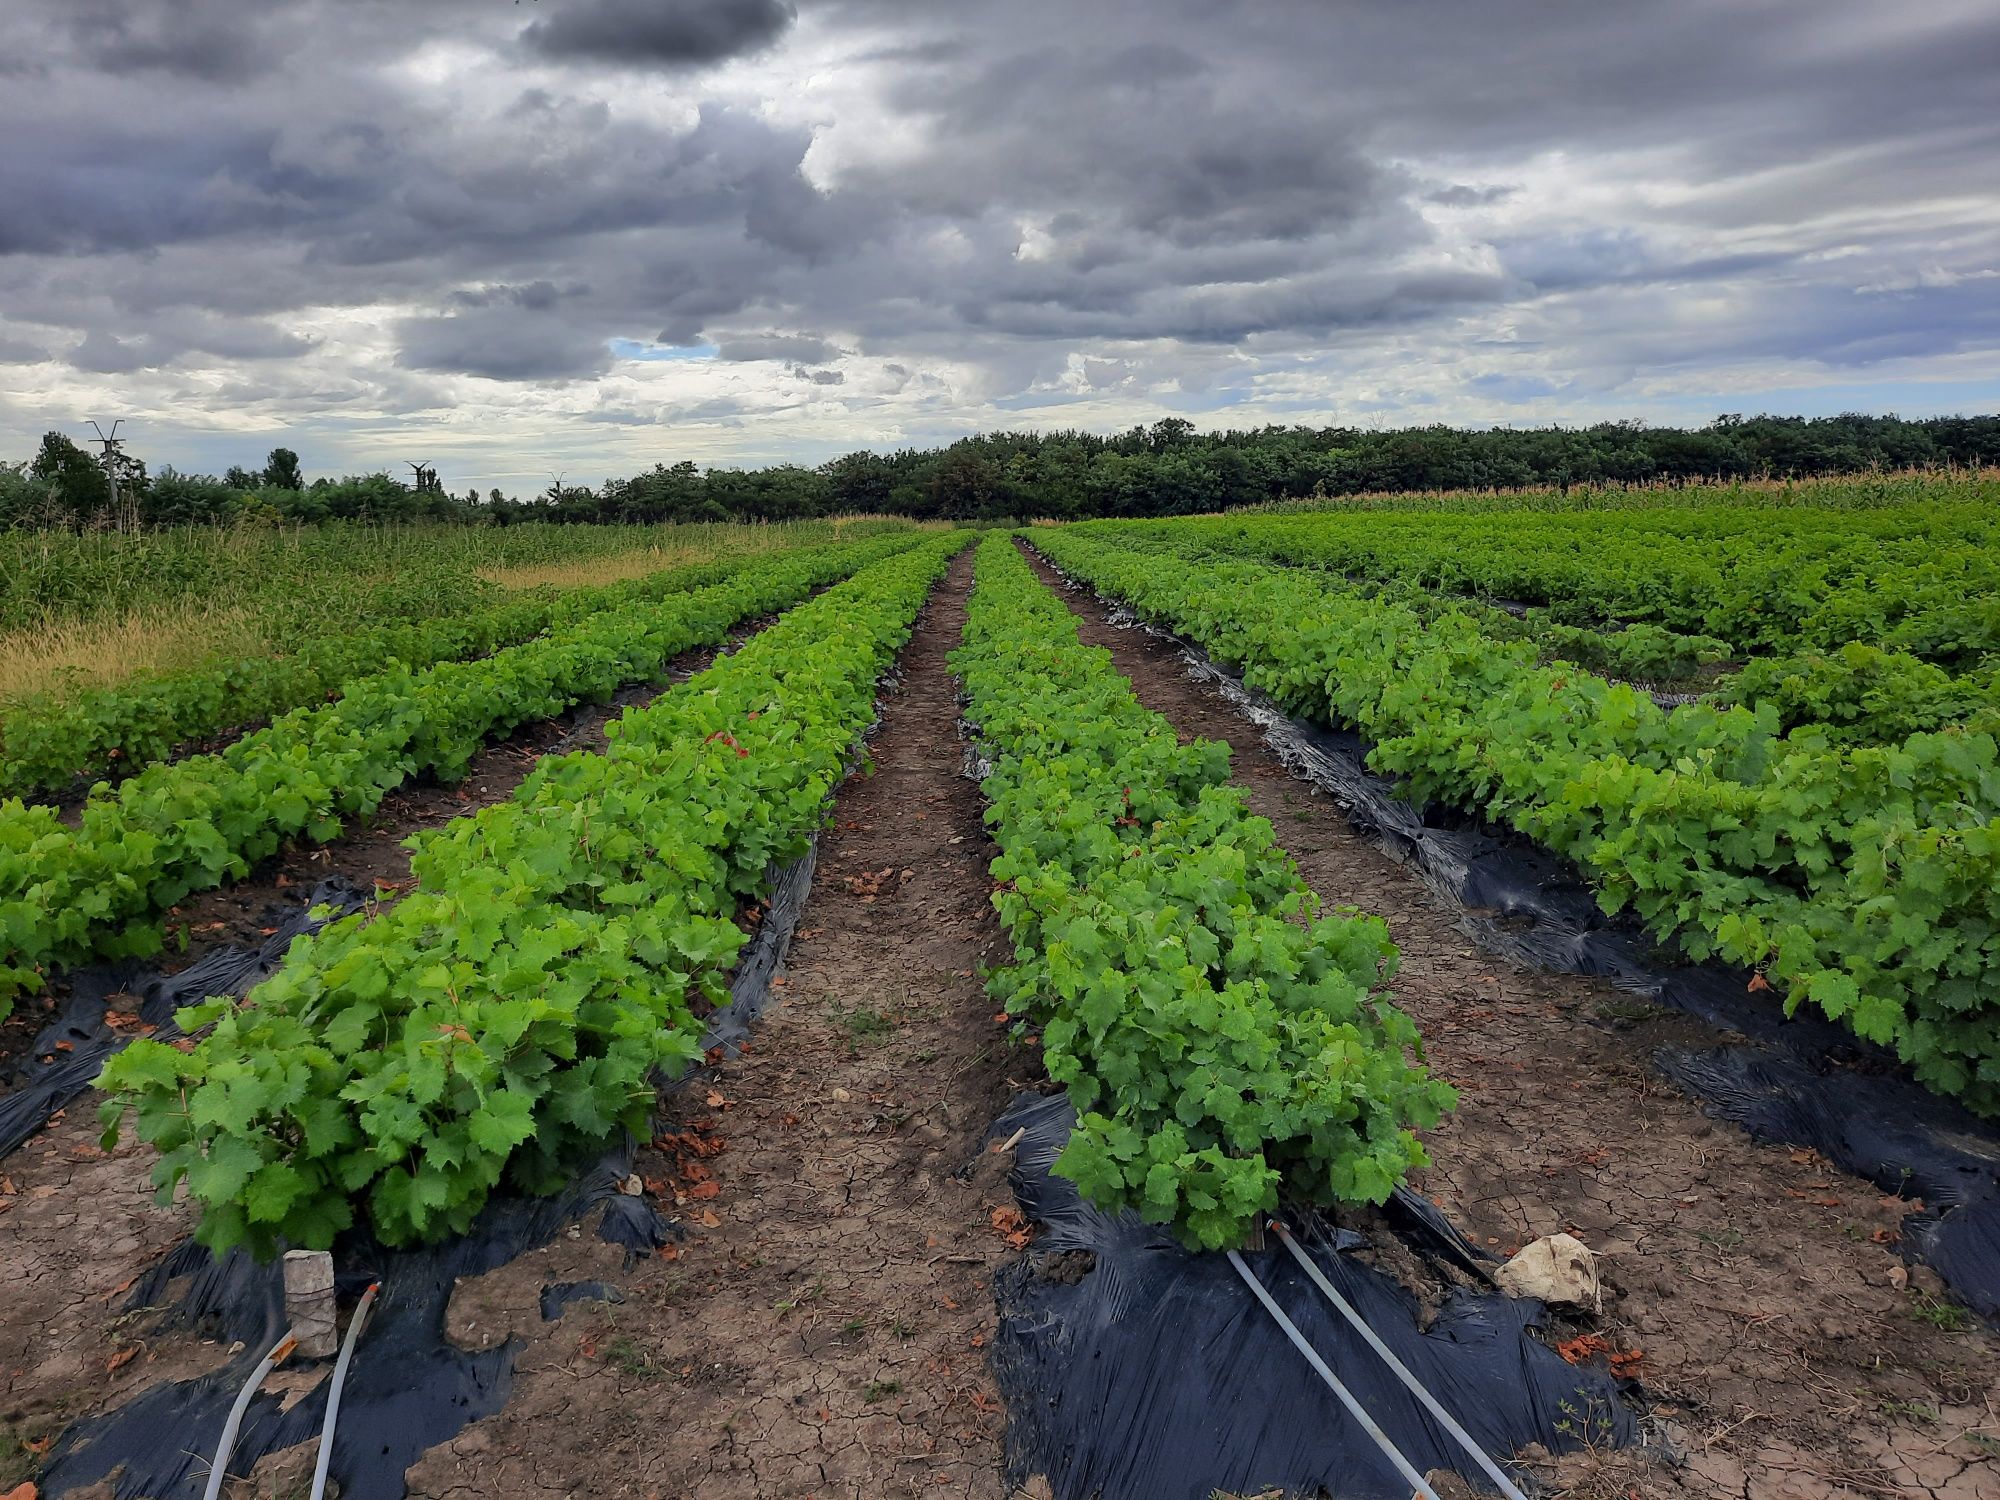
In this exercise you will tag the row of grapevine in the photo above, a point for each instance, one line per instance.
(70, 893)
(1854, 694)
(1921, 579)
(47, 743)
(1222, 1039)
(1864, 879)
(515, 1007)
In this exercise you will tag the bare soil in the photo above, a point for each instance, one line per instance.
(78, 1227)
(822, 1332)
(822, 1329)
(370, 854)
(1785, 1352)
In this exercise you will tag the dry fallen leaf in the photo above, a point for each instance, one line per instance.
(122, 1358)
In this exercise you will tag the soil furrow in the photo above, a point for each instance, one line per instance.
(823, 1329)
(1785, 1348)
(371, 854)
(78, 1226)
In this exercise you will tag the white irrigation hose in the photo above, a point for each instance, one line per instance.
(1416, 1387)
(1347, 1400)
(354, 1325)
(219, 1470)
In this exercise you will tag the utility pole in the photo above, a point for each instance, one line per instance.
(110, 461)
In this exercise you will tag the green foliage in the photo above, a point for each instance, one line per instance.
(1216, 1032)
(70, 893)
(1863, 879)
(324, 577)
(513, 1010)
(281, 470)
(113, 732)
(1917, 577)
(75, 480)
(1860, 694)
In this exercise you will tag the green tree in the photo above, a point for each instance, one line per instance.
(77, 483)
(281, 470)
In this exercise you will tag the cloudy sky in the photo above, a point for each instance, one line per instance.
(585, 235)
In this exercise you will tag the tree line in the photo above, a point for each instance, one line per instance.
(1168, 468)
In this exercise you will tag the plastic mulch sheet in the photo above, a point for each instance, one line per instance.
(77, 1042)
(1134, 1369)
(409, 1388)
(1802, 1081)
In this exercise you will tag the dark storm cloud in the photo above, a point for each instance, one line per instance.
(800, 348)
(501, 342)
(1125, 196)
(1462, 195)
(209, 41)
(648, 33)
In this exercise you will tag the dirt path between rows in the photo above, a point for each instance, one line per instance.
(78, 1226)
(823, 1331)
(1779, 1352)
(371, 853)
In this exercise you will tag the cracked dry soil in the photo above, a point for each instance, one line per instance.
(823, 1330)
(370, 853)
(1777, 1351)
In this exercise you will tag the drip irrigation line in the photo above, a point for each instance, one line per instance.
(1415, 1386)
(218, 1471)
(354, 1326)
(1354, 1408)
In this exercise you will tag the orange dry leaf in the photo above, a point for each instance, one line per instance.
(1583, 1346)
(1757, 984)
(25, 1490)
(122, 1358)
(704, 1190)
(1008, 1223)
(1626, 1364)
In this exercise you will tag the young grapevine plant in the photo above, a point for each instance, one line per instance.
(70, 893)
(517, 1006)
(1864, 879)
(116, 732)
(1220, 1037)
